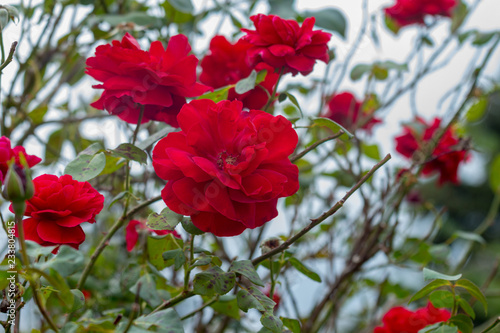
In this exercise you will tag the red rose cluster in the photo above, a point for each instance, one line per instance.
(227, 64)
(132, 234)
(401, 320)
(344, 109)
(283, 44)
(159, 80)
(227, 167)
(406, 12)
(57, 209)
(445, 158)
(7, 154)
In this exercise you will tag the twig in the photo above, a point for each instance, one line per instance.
(324, 216)
(314, 145)
(9, 57)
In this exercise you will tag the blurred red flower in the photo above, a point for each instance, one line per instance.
(283, 44)
(7, 154)
(445, 158)
(159, 79)
(401, 320)
(132, 234)
(226, 64)
(57, 209)
(227, 168)
(344, 109)
(406, 12)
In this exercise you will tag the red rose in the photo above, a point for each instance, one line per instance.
(132, 235)
(401, 320)
(57, 209)
(406, 12)
(445, 158)
(226, 64)
(7, 153)
(283, 44)
(227, 167)
(158, 79)
(344, 109)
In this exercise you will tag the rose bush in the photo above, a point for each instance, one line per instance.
(57, 209)
(159, 80)
(227, 168)
(445, 158)
(401, 320)
(406, 12)
(344, 109)
(227, 64)
(283, 44)
(7, 154)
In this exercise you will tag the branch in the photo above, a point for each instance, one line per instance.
(9, 57)
(324, 216)
(314, 145)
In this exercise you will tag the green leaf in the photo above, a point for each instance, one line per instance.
(429, 274)
(359, 70)
(63, 293)
(459, 14)
(245, 268)
(304, 270)
(474, 291)
(429, 288)
(86, 167)
(166, 220)
(177, 255)
(217, 95)
(466, 307)
(184, 6)
(78, 300)
(295, 102)
(253, 298)
(157, 245)
(148, 290)
(4, 18)
(162, 321)
(391, 24)
(371, 151)
(202, 260)
(66, 262)
(292, 324)
(188, 225)
(140, 18)
(261, 76)
(130, 152)
(442, 299)
(439, 328)
(332, 125)
(55, 143)
(462, 322)
(37, 114)
(227, 306)
(155, 137)
(113, 164)
(330, 19)
(468, 236)
(246, 84)
(271, 322)
(213, 281)
(477, 110)
(495, 175)
(483, 38)
(34, 249)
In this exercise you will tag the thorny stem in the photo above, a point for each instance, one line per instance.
(273, 95)
(324, 216)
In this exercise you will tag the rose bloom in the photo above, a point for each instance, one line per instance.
(401, 320)
(344, 109)
(227, 167)
(7, 154)
(447, 155)
(158, 80)
(406, 12)
(57, 209)
(283, 44)
(132, 234)
(226, 64)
